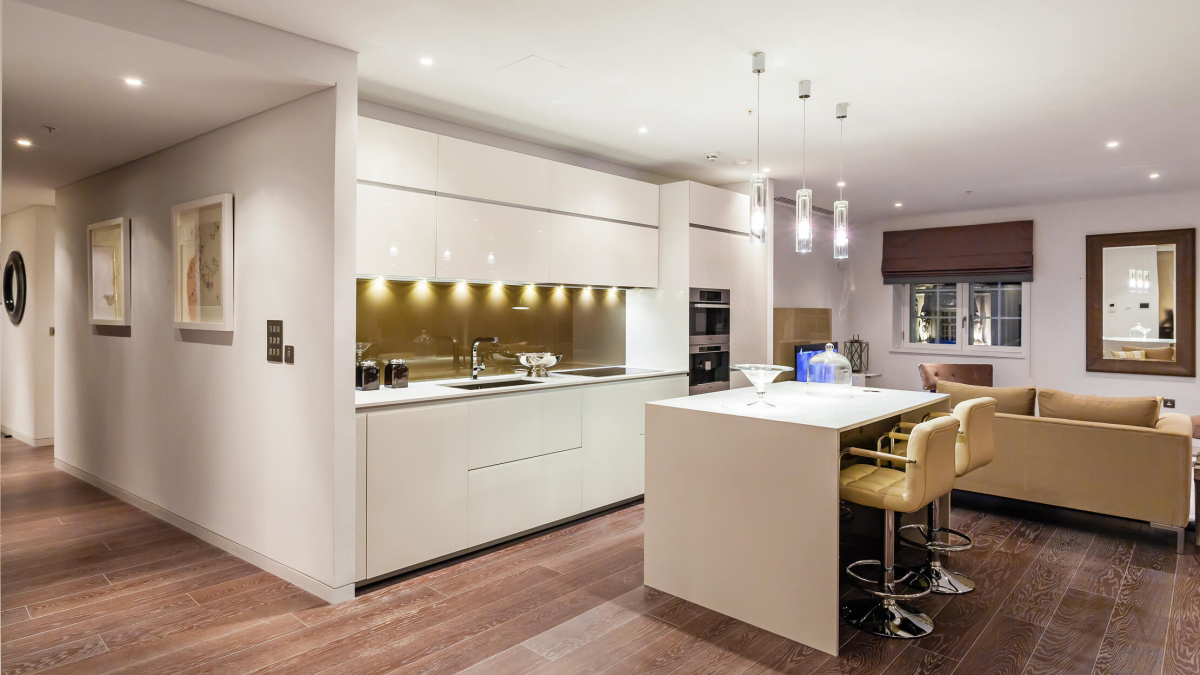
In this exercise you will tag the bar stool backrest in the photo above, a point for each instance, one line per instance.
(977, 439)
(931, 444)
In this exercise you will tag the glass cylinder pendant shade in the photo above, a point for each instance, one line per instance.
(804, 230)
(758, 208)
(841, 231)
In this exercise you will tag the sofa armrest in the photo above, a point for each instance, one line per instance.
(1175, 423)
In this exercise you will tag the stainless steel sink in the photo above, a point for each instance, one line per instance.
(491, 384)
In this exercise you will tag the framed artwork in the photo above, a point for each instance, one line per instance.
(202, 233)
(108, 272)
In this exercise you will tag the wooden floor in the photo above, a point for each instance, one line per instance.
(91, 585)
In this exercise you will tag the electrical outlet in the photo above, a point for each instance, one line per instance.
(274, 341)
(1168, 403)
(289, 354)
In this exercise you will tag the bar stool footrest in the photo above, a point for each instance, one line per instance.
(929, 543)
(879, 589)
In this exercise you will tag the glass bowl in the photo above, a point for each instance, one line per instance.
(760, 375)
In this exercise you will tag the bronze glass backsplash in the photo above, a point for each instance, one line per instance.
(431, 325)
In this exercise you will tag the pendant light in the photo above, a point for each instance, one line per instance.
(758, 182)
(804, 231)
(841, 208)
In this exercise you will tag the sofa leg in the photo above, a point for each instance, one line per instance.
(1180, 535)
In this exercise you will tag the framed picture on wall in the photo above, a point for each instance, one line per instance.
(202, 233)
(108, 272)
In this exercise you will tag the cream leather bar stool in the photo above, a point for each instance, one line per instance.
(928, 475)
(974, 447)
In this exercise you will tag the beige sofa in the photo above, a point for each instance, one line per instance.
(1138, 472)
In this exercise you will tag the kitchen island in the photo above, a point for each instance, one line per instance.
(742, 512)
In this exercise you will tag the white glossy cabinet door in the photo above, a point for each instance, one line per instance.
(518, 426)
(574, 189)
(509, 498)
(585, 251)
(717, 207)
(481, 171)
(748, 306)
(396, 155)
(360, 496)
(396, 234)
(488, 242)
(709, 258)
(416, 486)
(614, 427)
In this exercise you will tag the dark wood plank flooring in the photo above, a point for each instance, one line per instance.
(91, 585)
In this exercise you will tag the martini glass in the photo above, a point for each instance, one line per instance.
(361, 347)
(760, 375)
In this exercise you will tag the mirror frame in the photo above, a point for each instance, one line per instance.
(1185, 302)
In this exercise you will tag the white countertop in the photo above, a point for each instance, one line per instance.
(435, 390)
(793, 405)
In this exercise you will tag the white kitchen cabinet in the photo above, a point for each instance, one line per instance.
(748, 341)
(396, 155)
(417, 487)
(717, 207)
(575, 189)
(481, 171)
(519, 426)
(506, 499)
(489, 242)
(614, 427)
(396, 234)
(360, 496)
(585, 251)
(710, 258)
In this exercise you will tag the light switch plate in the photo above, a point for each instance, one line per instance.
(274, 341)
(289, 354)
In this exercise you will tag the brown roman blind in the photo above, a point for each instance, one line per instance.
(990, 252)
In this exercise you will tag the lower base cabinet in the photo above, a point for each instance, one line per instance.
(505, 499)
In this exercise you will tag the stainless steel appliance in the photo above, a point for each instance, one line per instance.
(708, 368)
(709, 308)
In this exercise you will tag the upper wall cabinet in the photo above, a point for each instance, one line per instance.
(710, 256)
(585, 251)
(574, 189)
(489, 242)
(396, 155)
(397, 233)
(716, 207)
(481, 171)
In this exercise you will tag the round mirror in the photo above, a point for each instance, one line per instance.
(14, 287)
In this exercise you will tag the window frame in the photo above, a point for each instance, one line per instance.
(902, 320)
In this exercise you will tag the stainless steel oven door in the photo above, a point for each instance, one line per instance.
(709, 316)
(708, 368)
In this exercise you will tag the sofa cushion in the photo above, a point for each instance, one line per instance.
(1136, 355)
(1010, 400)
(1135, 411)
(1154, 353)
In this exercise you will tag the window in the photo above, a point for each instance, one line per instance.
(982, 317)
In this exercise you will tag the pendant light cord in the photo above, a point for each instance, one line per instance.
(804, 148)
(758, 123)
(841, 156)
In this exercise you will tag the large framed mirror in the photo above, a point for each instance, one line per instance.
(1141, 302)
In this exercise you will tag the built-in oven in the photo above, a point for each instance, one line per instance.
(708, 368)
(709, 308)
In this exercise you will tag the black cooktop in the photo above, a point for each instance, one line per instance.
(605, 372)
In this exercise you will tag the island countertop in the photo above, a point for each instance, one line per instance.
(794, 405)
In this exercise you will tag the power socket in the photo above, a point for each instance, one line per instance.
(1168, 403)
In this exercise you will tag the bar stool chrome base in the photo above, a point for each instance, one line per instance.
(938, 579)
(885, 618)
(932, 576)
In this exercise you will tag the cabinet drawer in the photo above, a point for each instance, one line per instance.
(488, 242)
(575, 189)
(481, 171)
(416, 478)
(509, 428)
(397, 155)
(586, 251)
(396, 234)
(509, 498)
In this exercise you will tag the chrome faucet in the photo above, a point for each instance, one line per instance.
(475, 369)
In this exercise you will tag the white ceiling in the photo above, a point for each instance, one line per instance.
(1011, 100)
(69, 73)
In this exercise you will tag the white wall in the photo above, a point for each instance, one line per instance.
(811, 279)
(27, 350)
(1057, 298)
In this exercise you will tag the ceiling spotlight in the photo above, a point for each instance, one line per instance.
(426, 61)
(767, 170)
(1154, 175)
(898, 204)
(1112, 144)
(643, 130)
(841, 183)
(24, 142)
(133, 82)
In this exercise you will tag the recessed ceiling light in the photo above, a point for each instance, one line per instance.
(24, 142)
(841, 183)
(1154, 175)
(898, 205)
(767, 170)
(643, 130)
(133, 82)
(1112, 144)
(741, 162)
(426, 61)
